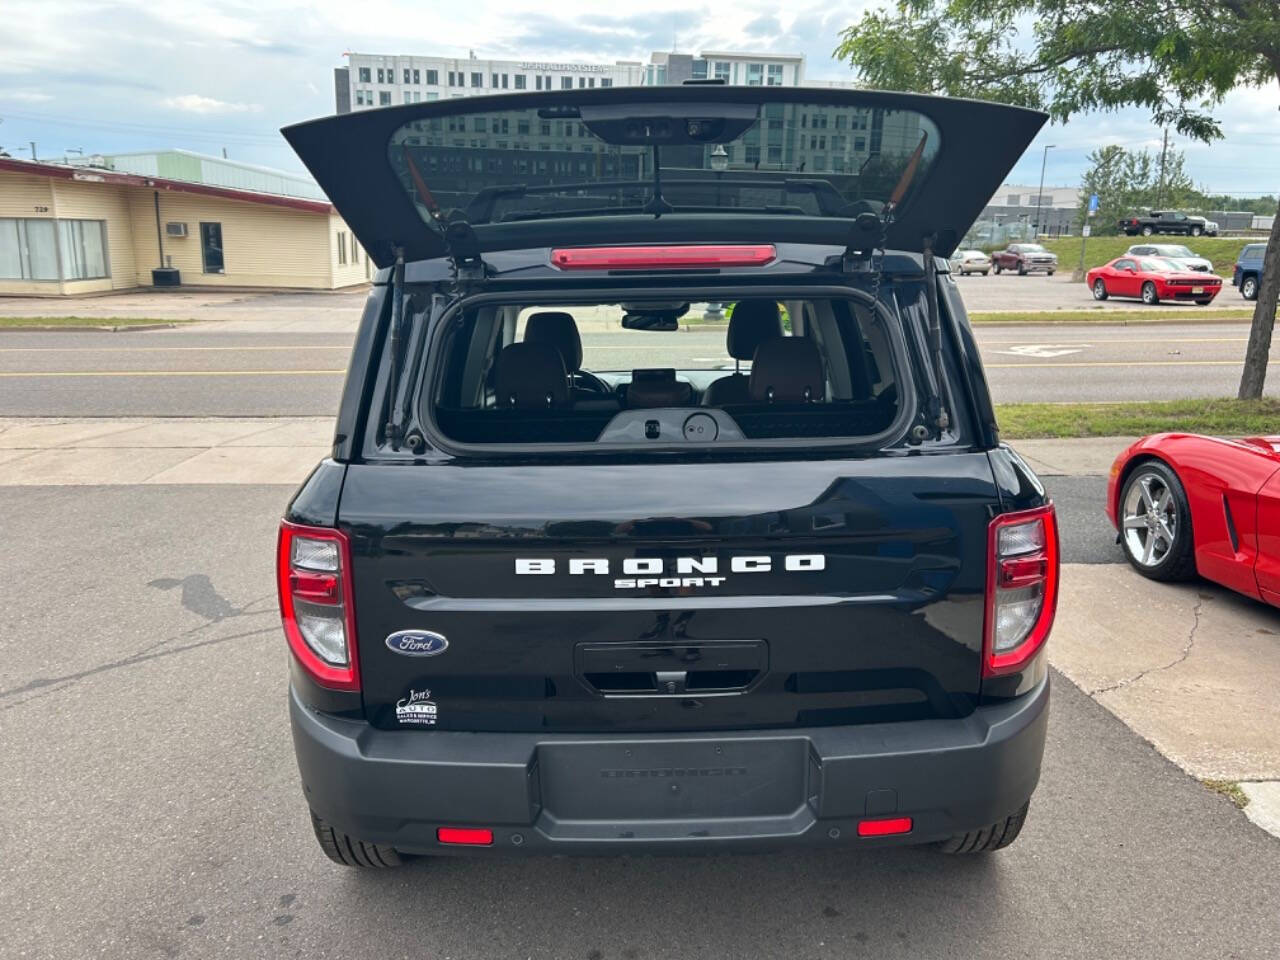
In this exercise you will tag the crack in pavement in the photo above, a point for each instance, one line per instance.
(129, 661)
(1186, 652)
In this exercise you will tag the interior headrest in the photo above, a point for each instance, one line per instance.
(787, 370)
(558, 329)
(751, 324)
(530, 376)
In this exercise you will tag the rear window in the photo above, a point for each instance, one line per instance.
(582, 159)
(609, 373)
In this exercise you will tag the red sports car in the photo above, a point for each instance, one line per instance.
(1186, 505)
(1152, 279)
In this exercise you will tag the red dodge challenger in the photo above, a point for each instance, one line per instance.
(1186, 505)
(1152, 279)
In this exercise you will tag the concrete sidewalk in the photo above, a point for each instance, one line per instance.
(113, 451)
(284, 449)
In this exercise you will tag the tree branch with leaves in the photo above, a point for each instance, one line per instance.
(1070, 57)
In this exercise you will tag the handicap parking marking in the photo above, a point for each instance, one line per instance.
(1045, 351)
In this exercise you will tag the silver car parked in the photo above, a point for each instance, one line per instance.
(965, 262)
(1176, 252)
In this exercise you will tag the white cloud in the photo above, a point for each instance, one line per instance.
(194, 103)
(26, 96)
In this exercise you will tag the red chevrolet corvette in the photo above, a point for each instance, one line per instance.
(1185, 504)
(1152, 279)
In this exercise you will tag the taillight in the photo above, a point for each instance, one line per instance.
(663, 257)
(313, 572)
(1022, 587)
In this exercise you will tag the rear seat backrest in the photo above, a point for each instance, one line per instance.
(531, 376)
(787, 370)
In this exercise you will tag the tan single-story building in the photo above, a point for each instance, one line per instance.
(67, 230)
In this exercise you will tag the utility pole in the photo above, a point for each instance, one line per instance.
(1040, 195)
(1164, 152)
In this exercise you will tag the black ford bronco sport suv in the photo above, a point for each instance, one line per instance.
(590, 572)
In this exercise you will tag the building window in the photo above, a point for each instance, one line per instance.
(566, 83)
(342, 248)
(606, 81)
(384, 98)
(355, 250)
(520, 81)
(546, 82)
(859, 144)
(699, 69)
(505, 76)
(752, 155)
(722, 71)
(363, 74)
(493, 81)
(1014, 200)
(433, 78)
(537, 82)
(33, 249)
(453, 79)
(774, 75)
(478, 124)
(477, 79)
(211, 247)
(522, 127)
(407, 74)
(432, 95)
(755, 74)
(775, 154)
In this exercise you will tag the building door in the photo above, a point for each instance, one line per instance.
(211, 247)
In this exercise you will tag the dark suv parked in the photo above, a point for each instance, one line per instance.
(577, 580)
(1248, 271)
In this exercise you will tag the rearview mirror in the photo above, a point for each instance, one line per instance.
(662, 322)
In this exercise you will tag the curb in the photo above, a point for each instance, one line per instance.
(1245, 318)
(95, 328)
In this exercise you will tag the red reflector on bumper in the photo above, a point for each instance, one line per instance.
(465, 835)
(665, 257)
(884, 828)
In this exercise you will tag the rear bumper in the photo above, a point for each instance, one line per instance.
(694, 792)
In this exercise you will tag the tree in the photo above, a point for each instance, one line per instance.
(1130, 181)
(1176, 59)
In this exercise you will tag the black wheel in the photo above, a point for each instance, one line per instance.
(350, 852)
(997, 268)
(1100, 289)
(1022, 269)
(1149, 295)
(1148, 231)
(1204, 303)
(1249, 288)
(985, 272)
(1051, 273)
(997, 836)
(1155, 523)
(1196, 231)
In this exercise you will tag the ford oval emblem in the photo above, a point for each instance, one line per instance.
(417, 643)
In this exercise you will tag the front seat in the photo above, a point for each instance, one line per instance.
(558, 329)
(753, 323)
(787, 370)
(530, 376)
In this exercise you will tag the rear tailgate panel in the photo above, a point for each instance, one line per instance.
(889, 627)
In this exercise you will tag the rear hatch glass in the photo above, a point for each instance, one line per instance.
(688, 163)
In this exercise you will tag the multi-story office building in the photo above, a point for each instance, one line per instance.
(378, 80)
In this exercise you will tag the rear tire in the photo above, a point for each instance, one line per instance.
(1196, 231)
(1100, 289)
(1022, 269)
(1148, 231)
(1149, 295)
(1051, 273)
(997, 268)
(1249, 288)
(350, 852)
(997, 836)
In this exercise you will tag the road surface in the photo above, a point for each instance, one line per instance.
(217, 372)
(152, 807)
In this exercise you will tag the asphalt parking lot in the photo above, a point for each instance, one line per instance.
(152, 807)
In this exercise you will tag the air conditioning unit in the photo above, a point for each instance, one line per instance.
(175, 229)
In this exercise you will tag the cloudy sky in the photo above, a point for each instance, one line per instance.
(110, 77)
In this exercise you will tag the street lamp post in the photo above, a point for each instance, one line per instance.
(1040, 195)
